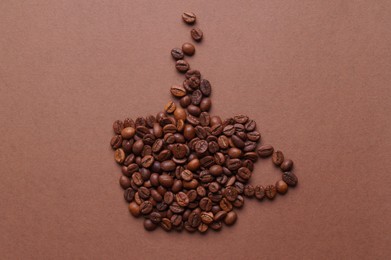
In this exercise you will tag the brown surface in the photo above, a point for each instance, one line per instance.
(315, 75)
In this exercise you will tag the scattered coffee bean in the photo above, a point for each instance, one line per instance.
(188, 49)
(182, 66)
(196, 34)
(270, 191)
(278, 158)
(189, 17)
(290, 178)
(286, 165)
(265, 151)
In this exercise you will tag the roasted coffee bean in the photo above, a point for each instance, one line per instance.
(118, 125)
(163, 156)
(149, 139)
(205, 177)
(249, 146)
(185, 101)
(213, 147)
(192, 195)
(254, 136)
(216, 170)
(146, 207)
(225, 205)
(193, 120)
(214, 187)
(235, 152)
(177, 53)
(220, 215)
(191, 73)
(231, 217)
(138, 147)
(244, 173)
(196, 97)
(129, 194)
(231, 193)
(194, 82)
(189, 17)
(237, 141)
(219, 158)
(157, 130)
(205, 104)
(193, 110)
(286, 165)
(144, 193)
(239, 128)
(201, 146)
(190, 184)
(252, 156)
(119, 155)
(239, 202)
(182, 66)
(149, 225)
(194, 219)
(216, 226)
(170, 107)
(155, 217)
(188, 49)
(217, 129)
(182, 199)
(129, 159)
(156, 195)
(116, 141)
(128, 122)
(281, 187)
(134, 209)
(201, 191)
(196, 34)
(233, 164)
(168, 197)
(176, 208)
(178, 91)
(204, 119)
(176, 220)
(265, 151)
(249, 190)
(229, 130)
(161, 206)
(147, 161)
(290, 178)
(205, 87)
(250, 125)
(200, 132)
(242, 135)
(207, 217)
(140, 121)
(187, 175)
(278, 158)
(137, 179)
(169, 138)
(241, 119)
(239, 187)
(177, 186)
(168, 165)
(206, 204)
(165, 224)
(186, 84)
(166, 180)
(180, 114)
(270, 191)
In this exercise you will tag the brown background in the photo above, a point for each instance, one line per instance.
(315, 75)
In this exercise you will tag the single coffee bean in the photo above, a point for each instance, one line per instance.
(177, 186)
(185, 101)
(128, 122)
(241, 119)
(182, 66)
(216, 226)
(270, 191)
(237, 141)
(146, 207)
(140, 121)
(249, 190)
(118, 125)
(192, 195)
(187, 175)
(138, 147)
(259, 192)
(231, 193)
(128, 132)
(244, 173)
(129, 194)
(229, 130)
(206, 204)
(170, 107)
(207, 217)
(250, 125)
(278, 158)
(265, 151)
(156, 195)
(216, 170)
(220, 215)
(214, 187)
(134, 209)
(196, 97)
(194, 219)
(144, 193)
(147, 161)
(219, 158)
(180, 114)
(137, 179)
(254, 136)
(250, 146)
(251, 156)
(178, 91)
(201, 146)
(168, 197)
(225, 205)
(286, 165)
(182, 199)
(155, 217)
(166, 180)
(205, 87)
(233, 164)
(191, 73)
(230, 219)
(161, 206)
(176, 220)
(193, 120)
(193, 165)
(168, 166)
(149, 225)
(116, 141)
(201, 191)
(119, 156)
(239, 202)
(177, 53)
(281, 187)
(205, 104)
(290, 178)
(188, 49)
(196, 34)
(165, 224)
(189, 17)
(193, 110)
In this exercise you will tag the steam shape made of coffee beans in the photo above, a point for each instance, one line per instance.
(185, 169)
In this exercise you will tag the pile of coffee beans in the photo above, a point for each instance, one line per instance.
(186, 169)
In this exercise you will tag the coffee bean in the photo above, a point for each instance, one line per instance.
(185, 101)
(182, 66)
(206, 204)
(177, 53)
(165, 224)
(254, 136)
(201, 146)
(220, 215)
(206, 87)
(138, 146)
(249, 191)
(193, 110)
(270, 191)
(278, 158)
(118, 125)
(229, 130)
(188, 49)
(146, 207)
(193, 165)
(233, 164)
(231, 193)
(144, 193)
(187, 175)
(196, 34)
(194, 219)
(241, 119)
(166, 180)
(265, 151)
(182, 199)
(128, 132)
(140, 121)
(231, 217)
(155, 217)
(147, 161)
(134, 209)
(116, 141)
(225, 205)
(216, 170)
(189, 17)
(237, 141)
(196, 97)
(205, 104)
(156, 195)
(286, 165)
(178, 91)
(250, 125)
(239, 202)
(207, 217)
(214, 187)
(170, 107)
(129, 194)
(244, 173)
(180, 114)
(191, 73)
(290, 178)
(119, 156)
(281, 187)
(168, 165)
(176, 220)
